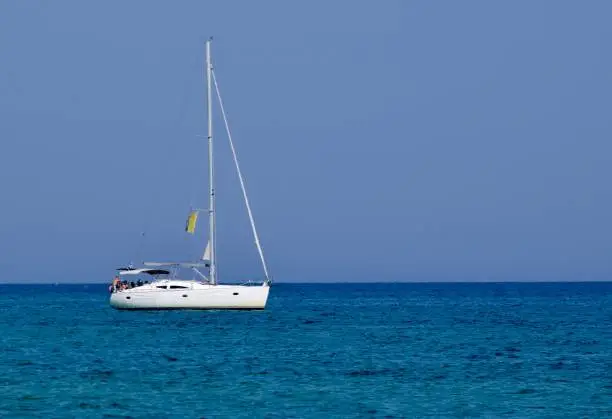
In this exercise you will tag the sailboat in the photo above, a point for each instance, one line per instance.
(167, 290)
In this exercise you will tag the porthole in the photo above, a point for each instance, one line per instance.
(184, 295)
(235, 293)
(128, 297)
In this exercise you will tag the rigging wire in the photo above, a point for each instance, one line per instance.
(242, 185)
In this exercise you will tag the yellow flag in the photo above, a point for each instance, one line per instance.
(191, 222)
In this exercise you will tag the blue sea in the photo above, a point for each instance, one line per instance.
(516, 350)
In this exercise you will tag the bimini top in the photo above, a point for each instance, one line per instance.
(153, 272)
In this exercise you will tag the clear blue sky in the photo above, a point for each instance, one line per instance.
(389, 140)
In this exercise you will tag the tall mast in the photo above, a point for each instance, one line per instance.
(211, 205)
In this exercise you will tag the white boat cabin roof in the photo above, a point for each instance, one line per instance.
(152, 272)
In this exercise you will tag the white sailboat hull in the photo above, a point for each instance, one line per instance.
(200, 297)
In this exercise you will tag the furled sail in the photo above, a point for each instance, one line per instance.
(191, 222)
(206, 255)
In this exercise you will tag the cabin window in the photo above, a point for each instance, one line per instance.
(161, 286)
(235, 293)
(184, 295)
(176, 287)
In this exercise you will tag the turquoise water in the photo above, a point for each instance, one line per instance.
(317, 351)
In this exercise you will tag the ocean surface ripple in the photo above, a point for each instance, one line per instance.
(529, 350)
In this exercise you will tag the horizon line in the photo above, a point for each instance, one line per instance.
(358, 282)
